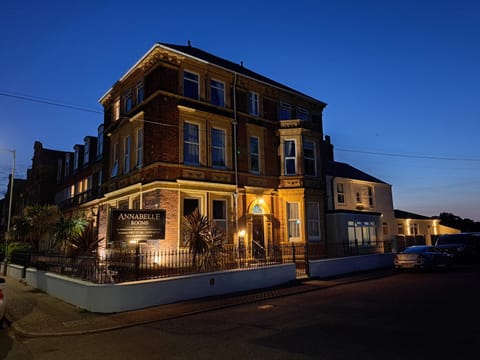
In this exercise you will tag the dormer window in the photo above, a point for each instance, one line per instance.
(76, 156)
(86, 152)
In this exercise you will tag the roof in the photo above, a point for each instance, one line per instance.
(204, 56)
(339, 169)
(400, 214)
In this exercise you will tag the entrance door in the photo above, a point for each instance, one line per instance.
(258, 237)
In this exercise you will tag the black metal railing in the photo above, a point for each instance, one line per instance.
(115, 265)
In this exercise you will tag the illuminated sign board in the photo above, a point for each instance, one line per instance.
(137, 225)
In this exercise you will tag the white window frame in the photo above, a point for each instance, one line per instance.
(192, 81)
(218, 87)
(290, 157)
(220, 148)
(187, 143)
(253, 103)
(293, 221)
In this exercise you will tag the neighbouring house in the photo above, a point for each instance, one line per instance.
(413, 229)
(359, 209)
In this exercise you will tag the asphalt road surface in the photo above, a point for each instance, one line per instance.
(403, 316)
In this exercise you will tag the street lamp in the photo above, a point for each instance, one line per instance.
(9, 208)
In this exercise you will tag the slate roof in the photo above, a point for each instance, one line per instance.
(229, 65)
(339, 169)
(400, 214)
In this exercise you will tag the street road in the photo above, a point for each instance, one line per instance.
(403, 316)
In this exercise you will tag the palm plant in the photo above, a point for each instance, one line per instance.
(67, 229)
(86, 241)
(195, 227)
(204, 240)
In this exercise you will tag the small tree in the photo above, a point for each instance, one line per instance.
(204, 240)
(86, 242)
(67, 229)
(195, 227)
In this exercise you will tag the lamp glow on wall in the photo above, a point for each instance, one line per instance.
(9, 207)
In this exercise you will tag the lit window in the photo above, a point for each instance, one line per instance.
(218, 148)
(309, 158)
(290, 157)
(254, 155)
(285, 111)
(253, 103)
(293, 220)
(362, 233)
(190, 85)
(191, 145)
(139, 147)
(116, 110)
(217, 93)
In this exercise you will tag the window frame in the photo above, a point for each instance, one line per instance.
(86, 152)
(139, 151)
(284, 111)
(253, 103)
(127, 144)
(100, 141)
(289, 158)
(313, 223)
(302, 113)
(340, 192)
(253, 155)
(293, 221)
(187, 80)
(190, 143)
(216, 89)
(220, 147)
(307, 159)
(114, 172)
(222, 220)
(140, 92)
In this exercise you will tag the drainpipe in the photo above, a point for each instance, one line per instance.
(235, 160)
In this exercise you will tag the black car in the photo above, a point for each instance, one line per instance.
(465, 247)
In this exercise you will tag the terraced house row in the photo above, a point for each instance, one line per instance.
(185, 129)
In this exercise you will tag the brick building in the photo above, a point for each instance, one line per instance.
(185, 129)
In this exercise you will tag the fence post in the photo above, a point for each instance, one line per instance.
(293, 253)
(137, 262)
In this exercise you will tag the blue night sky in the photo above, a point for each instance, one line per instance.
(401, 78)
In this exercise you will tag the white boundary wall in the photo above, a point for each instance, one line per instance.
(110, 298)
(350, 264)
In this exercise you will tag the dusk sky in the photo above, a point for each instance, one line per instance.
(401, 78)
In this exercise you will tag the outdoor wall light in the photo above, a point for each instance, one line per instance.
(241, 233)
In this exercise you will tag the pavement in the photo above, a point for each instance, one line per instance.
(33, 313)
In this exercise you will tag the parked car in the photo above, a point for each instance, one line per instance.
(2, 301)
(422, 257)
(465, 247)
